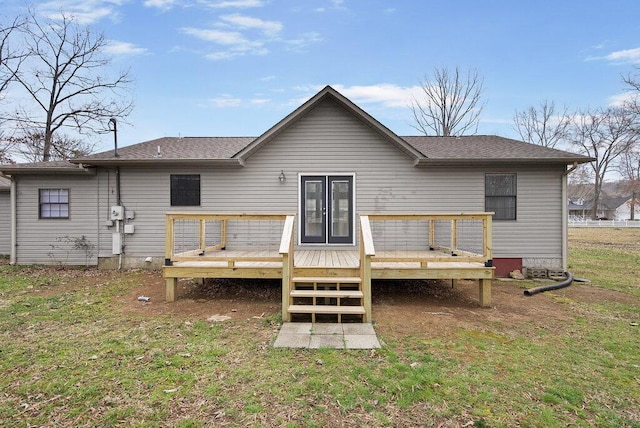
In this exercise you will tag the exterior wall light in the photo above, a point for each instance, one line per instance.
(282, 177)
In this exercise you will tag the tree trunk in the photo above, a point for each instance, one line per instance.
(596, 198)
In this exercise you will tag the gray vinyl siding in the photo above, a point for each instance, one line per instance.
(5, 221)
(328, 140)
(37, 236)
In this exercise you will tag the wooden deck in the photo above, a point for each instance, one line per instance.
(318, 259)
(327, 275)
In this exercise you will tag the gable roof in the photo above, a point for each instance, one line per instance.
(233, 151)
(329, 93)
(606, 203)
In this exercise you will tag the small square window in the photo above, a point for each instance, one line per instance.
(500, 195)
(54, 203)
(185, 190)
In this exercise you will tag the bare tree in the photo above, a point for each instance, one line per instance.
(629, 168)
(10, 60)
(8, 54)
(30, 147)
(450, 103)
(65, 80)
(545, 125)
(605, 135)
(632, 81)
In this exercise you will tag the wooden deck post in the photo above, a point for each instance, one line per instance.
(488, 237)
(172, 289)
(168, 237)
(367, 250)
(223, 234)
(485, 292)
(454, 235)
(432, 234)
(203, 234)
(286, 251)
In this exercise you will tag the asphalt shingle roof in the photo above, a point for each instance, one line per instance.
(178, 148)
(480, 147)
(484, 147)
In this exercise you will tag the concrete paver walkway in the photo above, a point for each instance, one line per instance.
(321, 335)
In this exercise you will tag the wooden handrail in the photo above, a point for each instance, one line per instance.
(430, 216)
(287, 234)
(231, 216)
(367, 251)
(287, 254)
(367, 236)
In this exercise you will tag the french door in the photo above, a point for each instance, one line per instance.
(326, 203)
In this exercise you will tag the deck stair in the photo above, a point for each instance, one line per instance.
(329, 298)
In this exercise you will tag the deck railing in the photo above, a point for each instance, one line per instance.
(287, 254)
(367, 252)
(199, 243)
(453, 234)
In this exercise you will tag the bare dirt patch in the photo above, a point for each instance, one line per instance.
(399, 307)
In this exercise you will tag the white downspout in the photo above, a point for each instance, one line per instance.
(14, 222)
(565, 217)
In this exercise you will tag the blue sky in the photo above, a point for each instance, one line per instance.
(236, 67)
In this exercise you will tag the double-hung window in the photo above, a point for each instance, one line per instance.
(185, 190)
(54, 203)
(500, 195)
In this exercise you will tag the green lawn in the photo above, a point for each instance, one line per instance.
(70, 358)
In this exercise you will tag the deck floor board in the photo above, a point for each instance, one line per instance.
(309, 258)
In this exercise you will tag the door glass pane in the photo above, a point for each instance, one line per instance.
(313, 208)
(339, 208)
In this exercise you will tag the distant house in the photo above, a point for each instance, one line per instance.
(326, 162)
(609, 208)
(623, 212)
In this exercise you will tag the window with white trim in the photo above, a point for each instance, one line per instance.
(500, 195)
(54, 203)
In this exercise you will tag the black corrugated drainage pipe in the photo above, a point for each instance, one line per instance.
(561, 284)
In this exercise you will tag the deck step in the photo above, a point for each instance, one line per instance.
(345, 294)
(327, 280)
(326, 309)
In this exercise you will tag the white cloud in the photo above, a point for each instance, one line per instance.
(386, 94)
(83, 11)
(259, 101)
(233, 3)
(619, 100)
(303, 41)
(628, 55)
(160, 4)
(270, 28)
(242, 35)
(216, 36)
(225, 101)
(233, 32)
(115, 47)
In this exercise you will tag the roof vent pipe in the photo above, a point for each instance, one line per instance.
(112, 121)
